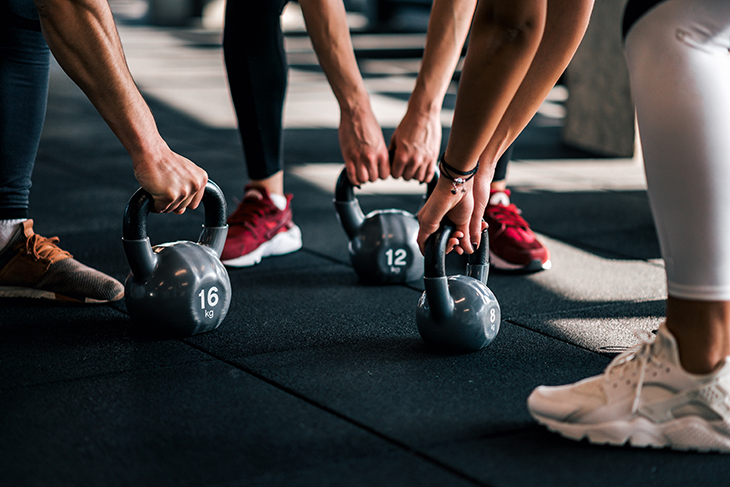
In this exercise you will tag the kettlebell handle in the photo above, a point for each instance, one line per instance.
(348, 207)
(435, 258)
(137, 246)
(140, 206)
(436, 282)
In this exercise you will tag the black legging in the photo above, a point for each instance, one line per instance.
(253, 46)
(24, 67)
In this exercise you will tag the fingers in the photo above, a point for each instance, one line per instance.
(383, 164)
(398, 159)
(453, 243)
(428, 172)
(425, 230)
(188, 194)
(465, 243)
(477, 224)
(198, 197)
(352, 173)
(413, 166)
(368, 166)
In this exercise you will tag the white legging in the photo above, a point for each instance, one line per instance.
(679, 65)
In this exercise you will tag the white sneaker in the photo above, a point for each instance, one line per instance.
(645, 398)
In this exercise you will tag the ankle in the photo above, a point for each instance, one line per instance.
(702, 331)
(498, 186)
(274, 184)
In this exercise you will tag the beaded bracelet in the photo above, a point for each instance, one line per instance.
(461, 178)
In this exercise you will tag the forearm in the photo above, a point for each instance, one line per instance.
(327, 27)
(83, 38)
(448, 27)
(565, 27)
(503, 44)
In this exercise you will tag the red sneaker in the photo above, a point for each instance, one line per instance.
(259, 229)
(512, 245)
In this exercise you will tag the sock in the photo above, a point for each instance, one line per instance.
(8, 229)
(279, 200)
(499, 198)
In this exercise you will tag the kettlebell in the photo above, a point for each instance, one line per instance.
(382, 247)
(178, 288)
(457, 313)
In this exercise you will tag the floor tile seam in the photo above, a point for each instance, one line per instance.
(101, 375)
(324, 256)
(591, 307)
(552, 337)
(402, 445)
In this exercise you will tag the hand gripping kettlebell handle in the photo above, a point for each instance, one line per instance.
(348, 207)
(137, 248)
(435, 256)
(435, 280)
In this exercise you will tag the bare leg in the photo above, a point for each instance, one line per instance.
(702, 332)
(273, 184)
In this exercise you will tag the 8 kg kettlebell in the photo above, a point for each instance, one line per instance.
(457, 313)
(179, 288)
(382, 247)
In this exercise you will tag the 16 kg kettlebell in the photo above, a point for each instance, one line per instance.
(179, 288)
(382, 247)
(457, 313)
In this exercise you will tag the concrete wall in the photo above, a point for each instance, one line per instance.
(600, 113)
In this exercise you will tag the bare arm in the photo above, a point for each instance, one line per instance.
(361, 138)
(566, 23)
(516, 53)
(417, 140)
(83, 38)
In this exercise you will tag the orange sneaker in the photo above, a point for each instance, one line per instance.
(32, 266)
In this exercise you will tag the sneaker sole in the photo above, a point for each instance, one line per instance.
(25, 292)
(282, 243)
(499, 264)
(683, 434)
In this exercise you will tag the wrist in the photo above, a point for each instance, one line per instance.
(148, 150)
(424, 106)
(460, 179)
(354, 104)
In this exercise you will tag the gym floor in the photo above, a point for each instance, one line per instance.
(314, 379)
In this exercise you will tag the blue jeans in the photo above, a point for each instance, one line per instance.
(24, 66)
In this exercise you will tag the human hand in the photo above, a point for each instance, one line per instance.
(457, 207)
(481, 191)
(174, 182)
(415, 145)
(363, 147)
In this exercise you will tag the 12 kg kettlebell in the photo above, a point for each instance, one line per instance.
(457, 313)
(382, 247)
(178, 288)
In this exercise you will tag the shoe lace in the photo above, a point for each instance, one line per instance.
(509, 216)
(248, 214)
(639, 355)
(42, 248)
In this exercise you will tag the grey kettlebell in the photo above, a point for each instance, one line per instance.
(382, 247)
(178, 288)
(457, 313)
